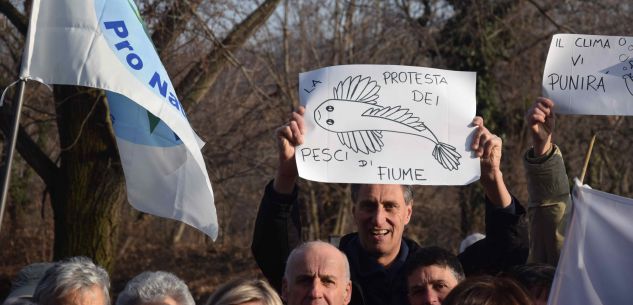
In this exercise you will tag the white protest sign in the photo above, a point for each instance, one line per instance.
(388, 124)
(590, 74)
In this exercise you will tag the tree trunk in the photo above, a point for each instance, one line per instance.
(339, 227)
(465, 209)
(88, 195)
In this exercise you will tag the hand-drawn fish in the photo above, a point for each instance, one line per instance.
(359, 121)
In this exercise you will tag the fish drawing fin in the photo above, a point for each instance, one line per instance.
(365, 141)
(628, 78)
(397, 114)
(446, 155)
(357, 89)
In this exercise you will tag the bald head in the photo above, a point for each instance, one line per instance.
(317, 249)
(317, 273)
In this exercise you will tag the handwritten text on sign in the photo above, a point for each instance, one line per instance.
(387, 124)
(590, 74)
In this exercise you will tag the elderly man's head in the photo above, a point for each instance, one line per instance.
(381, 211)
(154, 288)
(76, 280)
(431, 274)
(317, 273)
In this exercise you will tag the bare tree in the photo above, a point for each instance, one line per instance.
(86, 184)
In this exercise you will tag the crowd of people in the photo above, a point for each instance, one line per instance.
(513, 264)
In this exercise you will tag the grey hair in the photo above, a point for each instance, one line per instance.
(241, 291)
(75, 274)
(154, 287)
(305, 246)
(407, 192)
(19, 301)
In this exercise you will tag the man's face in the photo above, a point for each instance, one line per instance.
(380, 214)
(92, 296)
(317, 276)
(430, 285)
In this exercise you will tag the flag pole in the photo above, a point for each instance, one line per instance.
(9, 148)
(587, 157)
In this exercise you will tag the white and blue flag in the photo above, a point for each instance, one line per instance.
(104, 44)
(596, 262)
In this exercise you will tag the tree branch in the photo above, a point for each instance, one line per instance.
(173, 23)
(30, 151)
(201, 77)
(550, 19)
(20, 21)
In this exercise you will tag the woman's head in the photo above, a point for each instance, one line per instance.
(487, 290)
(243, 291)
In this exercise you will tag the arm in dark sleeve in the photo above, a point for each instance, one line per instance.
(277, 232)
(506, 242)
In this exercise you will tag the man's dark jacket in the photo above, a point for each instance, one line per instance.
(277, 232)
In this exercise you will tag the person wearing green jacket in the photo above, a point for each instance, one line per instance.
(548, 185)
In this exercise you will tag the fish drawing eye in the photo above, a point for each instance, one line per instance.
(330, 121)
(329, 108)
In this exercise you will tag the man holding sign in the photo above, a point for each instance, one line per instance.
(378, 251)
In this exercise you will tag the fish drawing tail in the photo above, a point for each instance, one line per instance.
(446, 155)
(628, 79)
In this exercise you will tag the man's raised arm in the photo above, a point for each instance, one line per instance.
(277, 228)
(506, 242)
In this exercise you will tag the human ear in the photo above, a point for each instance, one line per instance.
(409, 208)
(354, 214)
(348, 293)
(284, 290)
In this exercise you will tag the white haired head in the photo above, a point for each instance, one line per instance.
(150, 287)
(71, 276)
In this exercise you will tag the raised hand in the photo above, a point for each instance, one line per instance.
(541, 122)
(288, 137)
(487, 146)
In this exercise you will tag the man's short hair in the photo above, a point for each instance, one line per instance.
(303, 247)
(536, 278)
(155, 286)
(245, 290)
(407, 191)
(75, 274)
(19, 301)
(434, 256)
